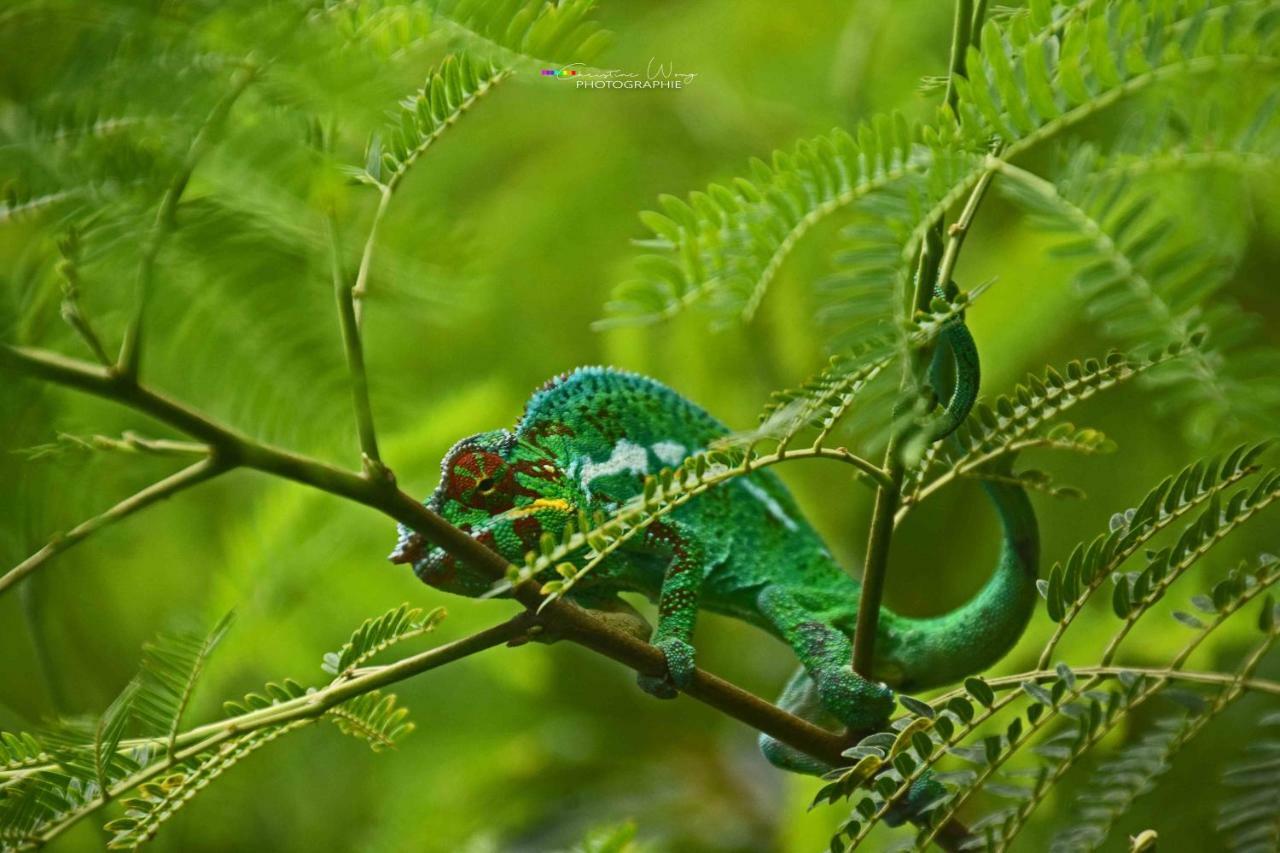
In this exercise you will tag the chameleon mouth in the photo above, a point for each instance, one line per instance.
(410, 547)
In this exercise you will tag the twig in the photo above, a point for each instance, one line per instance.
(68, 267)
(931, 265)
(961, 29)
(361, 287)
(960, 228)
(1256, 685)
(186, 478)
(349, 320)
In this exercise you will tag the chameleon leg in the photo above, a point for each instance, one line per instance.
(677, 605)
(827, 656)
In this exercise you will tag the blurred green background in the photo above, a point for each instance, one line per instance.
(498, 254)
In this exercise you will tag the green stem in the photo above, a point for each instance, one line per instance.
(960, 229)
(934, 266)
(889, 495)
(361, 287)
(961, 30)
(349, 321)
(979, 15)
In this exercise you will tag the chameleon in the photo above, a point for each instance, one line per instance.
(586, 441)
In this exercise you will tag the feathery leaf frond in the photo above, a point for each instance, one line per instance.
(377, 635)
(525, 31)
(1144, 281)
(156, 802)
(1249, 816)
(449, 92)
(171, 666)
(374, 718)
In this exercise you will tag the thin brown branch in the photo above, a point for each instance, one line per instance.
(564, 618)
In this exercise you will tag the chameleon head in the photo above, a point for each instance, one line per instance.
(502, 491)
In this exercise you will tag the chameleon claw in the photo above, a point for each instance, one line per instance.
(680, 667)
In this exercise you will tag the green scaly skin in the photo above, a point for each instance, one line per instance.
(588, 438)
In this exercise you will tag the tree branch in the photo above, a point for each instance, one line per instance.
(564, 618)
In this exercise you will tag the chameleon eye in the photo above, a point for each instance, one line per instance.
(486, 486)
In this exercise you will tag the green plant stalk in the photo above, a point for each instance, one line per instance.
(296, 712)
(349, 322)
(359, 290)
(962, 29)
(387, 190)
(889, 495)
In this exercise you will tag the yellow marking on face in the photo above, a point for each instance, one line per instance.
(541, 503)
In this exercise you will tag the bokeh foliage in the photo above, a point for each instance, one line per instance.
(500, 252)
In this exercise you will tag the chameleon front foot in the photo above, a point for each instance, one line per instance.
(680, 666)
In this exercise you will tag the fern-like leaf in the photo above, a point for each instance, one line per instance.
(374, 718)
(156, 802)
(448, 93)
(1018, 420)
(1249, 818)
(528, 32)
(1143, 279)
(1070, 584)
(1031, 78)
(171, 666)
(376, 635)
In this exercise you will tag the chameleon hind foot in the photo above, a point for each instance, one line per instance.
(826, 654)
(680, 667)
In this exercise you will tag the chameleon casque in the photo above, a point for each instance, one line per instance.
(588, 438)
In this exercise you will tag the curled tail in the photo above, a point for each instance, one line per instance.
(944, 649)
(968, 374)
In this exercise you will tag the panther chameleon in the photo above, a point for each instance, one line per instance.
(588, 438)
